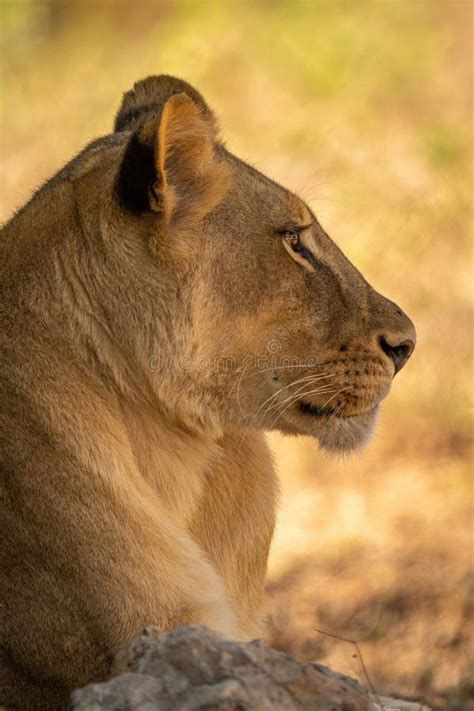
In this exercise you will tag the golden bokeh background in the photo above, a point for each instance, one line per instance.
(363, 107)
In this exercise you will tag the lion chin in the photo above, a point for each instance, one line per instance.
(347, 434)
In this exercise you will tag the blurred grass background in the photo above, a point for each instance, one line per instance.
(363, 107)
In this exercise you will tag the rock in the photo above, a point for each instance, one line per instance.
(386, 703)
(194, 669)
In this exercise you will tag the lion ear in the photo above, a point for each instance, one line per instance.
(171, 166)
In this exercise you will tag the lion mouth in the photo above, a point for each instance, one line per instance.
(314, 411)
(308, 409)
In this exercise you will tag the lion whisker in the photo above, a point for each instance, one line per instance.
(241, 377)
(323, 388)
(348, 387)
(312, 378)
(312, 392)
(281, 367)
(296, 397)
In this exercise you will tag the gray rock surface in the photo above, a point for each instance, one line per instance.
(194, 669)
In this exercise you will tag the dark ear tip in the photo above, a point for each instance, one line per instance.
(136, 176)
(150, 95)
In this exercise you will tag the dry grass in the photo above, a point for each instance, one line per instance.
(377, 550)
(365, 108)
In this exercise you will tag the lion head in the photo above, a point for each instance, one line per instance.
(254, 317)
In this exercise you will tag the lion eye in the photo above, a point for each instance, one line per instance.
(293, 240)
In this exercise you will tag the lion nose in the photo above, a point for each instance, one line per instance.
(398, 352)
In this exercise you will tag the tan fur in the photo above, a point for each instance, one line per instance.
(154, 322)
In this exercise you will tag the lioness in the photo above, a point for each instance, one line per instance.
(163, 303)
